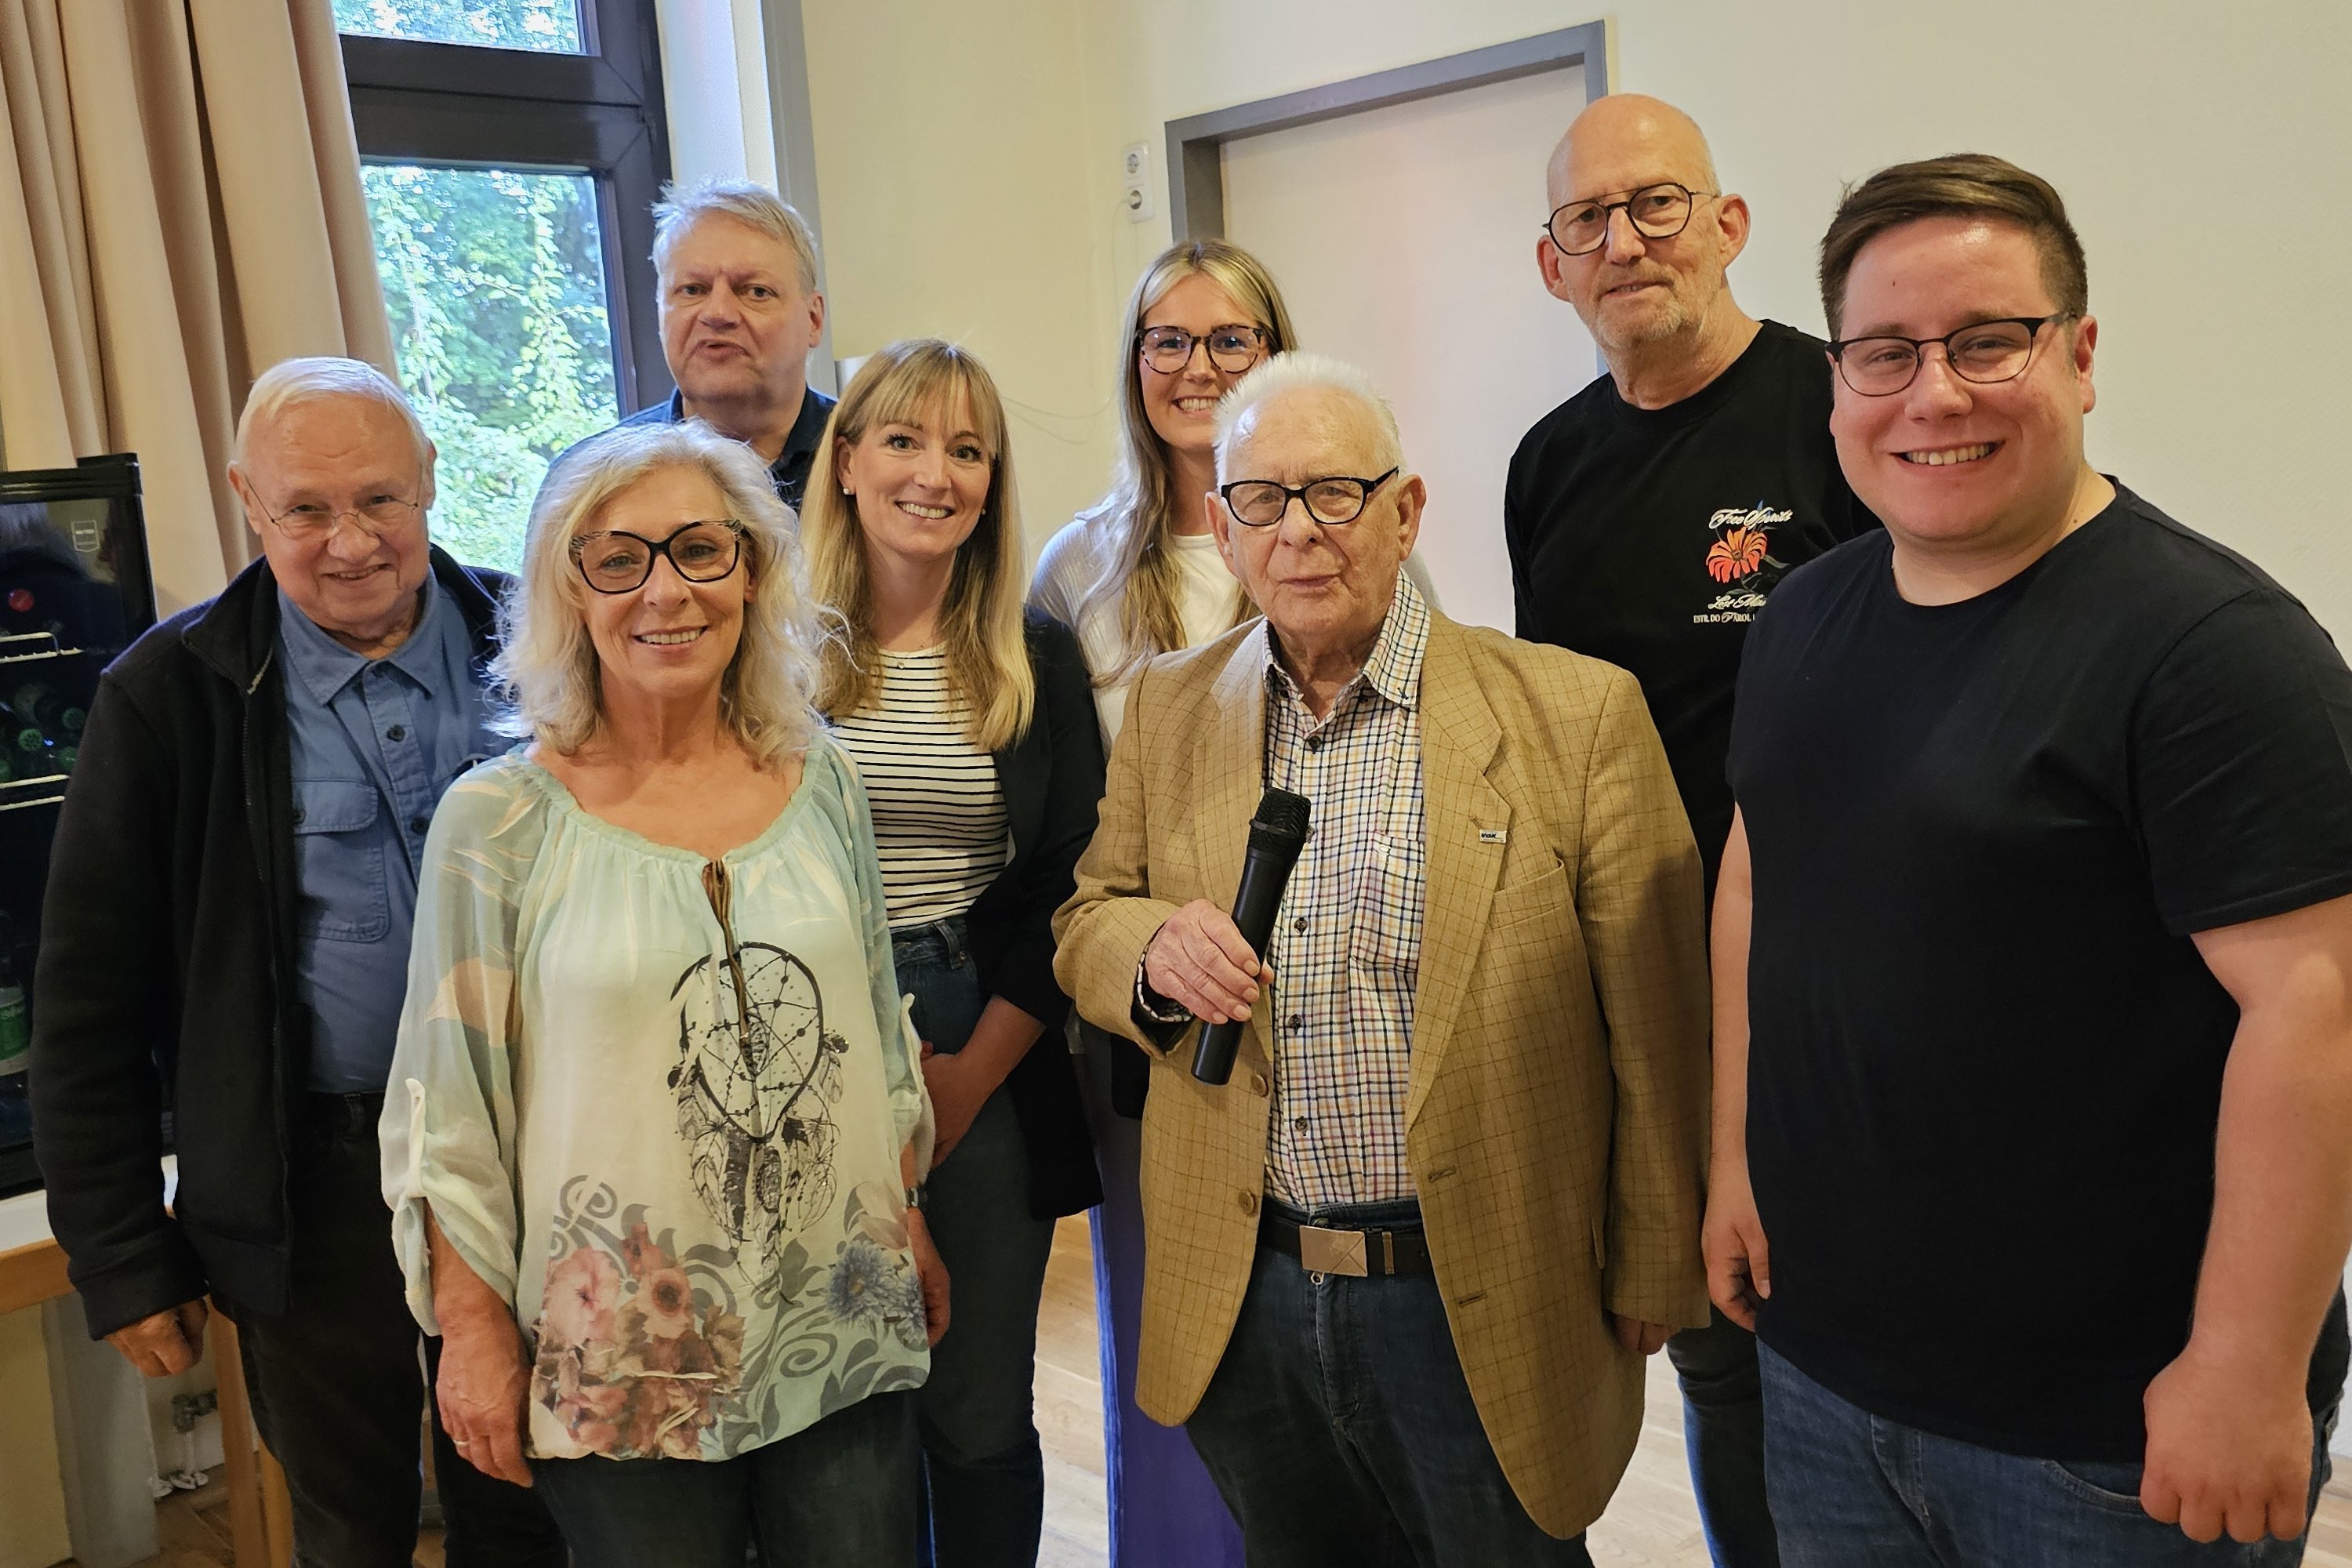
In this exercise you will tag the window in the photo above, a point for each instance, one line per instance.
(546, 24)
(510, 151)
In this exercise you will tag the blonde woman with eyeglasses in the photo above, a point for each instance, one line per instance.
(655, 1118)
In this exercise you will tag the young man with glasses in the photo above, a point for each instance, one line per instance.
(2034, 961)
(226, 933)
(1649, 519)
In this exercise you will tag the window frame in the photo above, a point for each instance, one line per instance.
(467, 106)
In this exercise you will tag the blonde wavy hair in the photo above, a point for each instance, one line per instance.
(547, 670)
(919, 380)
(1137, 589)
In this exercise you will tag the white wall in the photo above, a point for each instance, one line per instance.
(715, 90)
(951, 147)
(2203, 149)
(1446, 314)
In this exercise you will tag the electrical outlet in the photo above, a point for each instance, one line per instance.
(1135, 176)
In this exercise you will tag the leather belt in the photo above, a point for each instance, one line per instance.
(1355, 1253)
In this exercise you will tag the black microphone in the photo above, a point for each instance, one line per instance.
(1276, 834)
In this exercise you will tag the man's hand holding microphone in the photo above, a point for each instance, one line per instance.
(1198, 960)
(1206, 961)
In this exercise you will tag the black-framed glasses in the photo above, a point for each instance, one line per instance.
(1656, 211)
(1332, 501)
(308, 521)
(1233, 348)
(1983, 352)
(617, 562)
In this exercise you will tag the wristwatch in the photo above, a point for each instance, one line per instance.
(1150, 1003)
(917, 1196)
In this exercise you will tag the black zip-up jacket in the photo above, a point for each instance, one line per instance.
(166, 971)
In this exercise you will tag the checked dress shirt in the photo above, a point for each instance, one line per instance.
(1347, 946)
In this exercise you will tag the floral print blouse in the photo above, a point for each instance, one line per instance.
(656, 1103)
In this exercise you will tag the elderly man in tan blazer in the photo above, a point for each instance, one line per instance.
(1402, 1271)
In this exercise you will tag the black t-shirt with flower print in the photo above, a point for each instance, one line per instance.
(1651, 538)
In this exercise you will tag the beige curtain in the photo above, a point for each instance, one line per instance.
(180, 208)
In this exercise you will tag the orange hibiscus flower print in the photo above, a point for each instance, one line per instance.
(1738, 553)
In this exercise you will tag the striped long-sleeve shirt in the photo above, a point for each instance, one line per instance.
(939, 822)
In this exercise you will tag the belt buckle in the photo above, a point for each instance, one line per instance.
(1324, 1251)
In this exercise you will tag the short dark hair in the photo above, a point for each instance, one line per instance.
(1961, 185)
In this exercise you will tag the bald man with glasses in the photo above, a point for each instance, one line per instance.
(1649, 519)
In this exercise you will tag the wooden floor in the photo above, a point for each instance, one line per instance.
(1652, 1522)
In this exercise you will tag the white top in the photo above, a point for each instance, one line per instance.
(1208, 597)
(656, 1103)
(939, 822)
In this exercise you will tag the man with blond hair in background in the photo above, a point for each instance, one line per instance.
(735, 273)
(225, 936)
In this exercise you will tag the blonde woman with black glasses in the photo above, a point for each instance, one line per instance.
(973, 727)
(655, 1118)
(1136, 577)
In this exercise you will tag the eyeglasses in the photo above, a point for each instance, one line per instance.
(307, 521)
(1656, 211)
(1261, 503)
(614, 562)
(1233, 348)
(1983, 352)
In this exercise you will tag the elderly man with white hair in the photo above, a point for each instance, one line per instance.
(226, 935)
(735, 271)
(1403, 1268)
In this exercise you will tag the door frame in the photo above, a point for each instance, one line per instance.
(1196, 176)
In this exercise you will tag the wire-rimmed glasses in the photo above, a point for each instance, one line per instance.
(308, 521)
(1656, 211)
(1985, 353)
(1332, 501)
(1233, 348)
(617, 562)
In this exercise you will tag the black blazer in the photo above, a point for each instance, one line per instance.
(1053, 783)
(166, 970)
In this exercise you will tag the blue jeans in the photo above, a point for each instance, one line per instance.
(1853, 1491)
(982, 1465)
(1723, 1438)
(833, 1496)
(1342, 1433)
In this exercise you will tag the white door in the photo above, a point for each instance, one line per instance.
(1404, 240)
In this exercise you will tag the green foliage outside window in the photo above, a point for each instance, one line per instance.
(495, 283)
(548, 25)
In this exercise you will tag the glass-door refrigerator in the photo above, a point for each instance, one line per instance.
(75, 590)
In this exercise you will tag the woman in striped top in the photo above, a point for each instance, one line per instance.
(974, 726)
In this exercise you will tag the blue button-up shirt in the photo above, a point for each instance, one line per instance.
(374, 742)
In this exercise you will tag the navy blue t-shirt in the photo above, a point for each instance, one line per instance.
(1986, 1058)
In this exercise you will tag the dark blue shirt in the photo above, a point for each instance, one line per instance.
(791, 469)
(373, 743)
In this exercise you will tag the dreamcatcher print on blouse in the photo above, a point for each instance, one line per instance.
(755, 1082)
